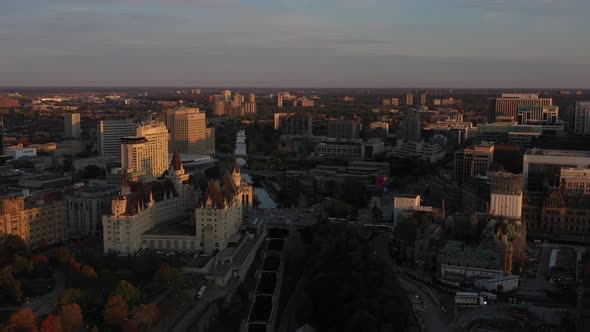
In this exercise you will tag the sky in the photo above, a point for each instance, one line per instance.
(296, 43)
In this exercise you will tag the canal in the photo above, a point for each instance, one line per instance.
(266, 202)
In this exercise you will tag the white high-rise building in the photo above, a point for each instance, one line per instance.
(582, 118)
(226, 95)
(72, 125)
(147, 151)
(110, 133)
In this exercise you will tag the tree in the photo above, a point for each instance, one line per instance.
(130, 326)
(40, 266)
(61, 256)
(68, 296)
(92, 171)
(295, 254)
(23, 320)
(163, 276)
(146, 315)
(10, 288)
(21, 266)
(71, 317)
(14, 243)
(42, 244)
(353, 192)
(115, 311)
(127, 291)
(88, 272)
(377, 213)
(51, 323)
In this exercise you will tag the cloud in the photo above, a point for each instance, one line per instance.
(268, 42)
(526, 7)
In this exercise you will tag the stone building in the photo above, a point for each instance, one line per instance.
(143, 206)
(219, 210)
(35, 220)
(557, 212)
(492, 252)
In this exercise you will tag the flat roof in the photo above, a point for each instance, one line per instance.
(557, 153)
(178, 226)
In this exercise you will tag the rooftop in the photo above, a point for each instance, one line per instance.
(178, 226)
(557, 153)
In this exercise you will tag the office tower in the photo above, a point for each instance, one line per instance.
(538, 115)
(147, 151)
(386, 102)
(252, 98)
(423, 98)
(342, 129)
(110, 133)
(293, 124)
(277, 119)
(409, 98)
(507, 105)
(582, 118)
(542, 167)
(215, 98)
(219, 108)
(248, 107)
(394, 101)
(506, 194)
(281, 97)
(72, 125)
(472, 161)
(575, 180)
(237, 100)
(1, 136)
(226, 95)
(411, 127)
(188, 131)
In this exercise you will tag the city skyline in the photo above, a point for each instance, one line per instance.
(452, 43)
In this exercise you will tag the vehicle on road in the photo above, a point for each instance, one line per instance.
(201, 292)
(469, 298)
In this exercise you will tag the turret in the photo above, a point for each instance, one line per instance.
(236, 174)
(118, 205)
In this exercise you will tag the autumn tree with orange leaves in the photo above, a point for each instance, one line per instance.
(115, 311)
(23, 320)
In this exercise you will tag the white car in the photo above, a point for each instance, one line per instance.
(201, 291)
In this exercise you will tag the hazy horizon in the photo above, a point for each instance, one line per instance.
(488, 44)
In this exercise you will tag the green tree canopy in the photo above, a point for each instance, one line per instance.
(68, 296)
(127, 292)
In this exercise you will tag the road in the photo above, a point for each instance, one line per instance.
(44, 304)
(434, 317)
